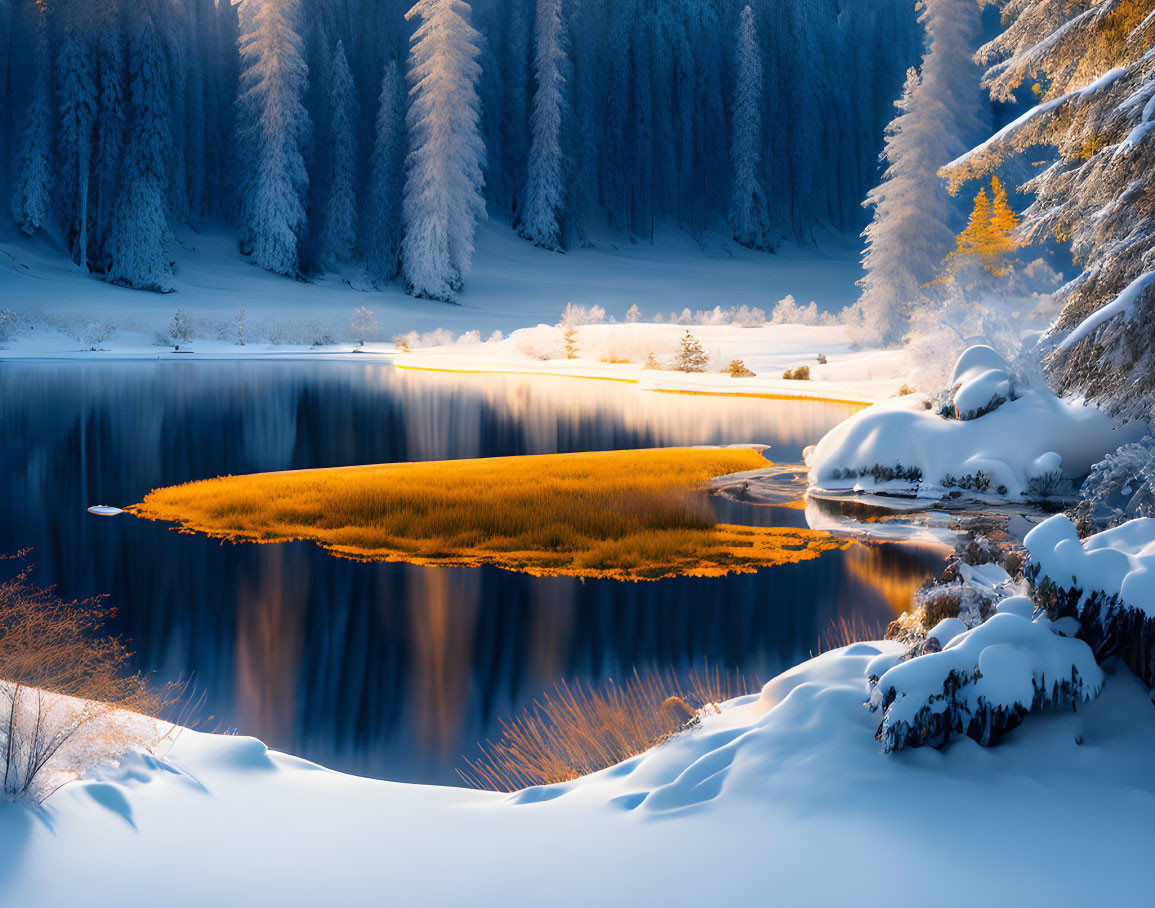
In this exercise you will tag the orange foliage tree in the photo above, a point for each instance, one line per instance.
(988, 238)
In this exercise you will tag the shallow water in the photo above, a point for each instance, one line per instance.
(387, 669)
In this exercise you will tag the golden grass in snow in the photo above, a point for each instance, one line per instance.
(627, 515)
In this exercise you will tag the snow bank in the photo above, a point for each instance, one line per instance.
(1117, 562)
(983, 682)
(901, 444)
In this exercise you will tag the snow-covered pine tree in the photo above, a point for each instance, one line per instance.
(910, 233)
(110, 124)
(381, 218)
(273, 129)
(691, 357)
(137, 254)
(32, 181)
(545, 185)
(77, 99)
(339, 232)
(749, 217)
(443, 200)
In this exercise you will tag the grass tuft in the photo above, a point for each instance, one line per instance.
(626, 515)
(577, 729)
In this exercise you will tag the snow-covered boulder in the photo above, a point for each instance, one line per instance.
(982, 683)
(1023, 447)
(1106, 582)
(981, 382)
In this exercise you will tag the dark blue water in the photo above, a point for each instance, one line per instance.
(386, 669)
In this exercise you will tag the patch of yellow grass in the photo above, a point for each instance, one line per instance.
(627, 515)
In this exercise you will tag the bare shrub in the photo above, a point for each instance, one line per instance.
(802, 373)
(60, 675)
(577, 729)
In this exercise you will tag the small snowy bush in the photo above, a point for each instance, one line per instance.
(737, 369)
(691, 357)
(363, 326)
(982, 683)
(802, 373)
(788, 312)
(180, 329)
(9, 324)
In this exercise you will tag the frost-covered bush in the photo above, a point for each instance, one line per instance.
(574, 316)
(788, 312)
(1120, 487)
(9, 324)
(981, 684)
(363, 326)
(96, 333)
(180, 329)
(691, 357)
(737, 369)
(802, 373)
(879, 473)
(542, 342)
(438, 337)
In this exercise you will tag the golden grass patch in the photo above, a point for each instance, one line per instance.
(626, 515)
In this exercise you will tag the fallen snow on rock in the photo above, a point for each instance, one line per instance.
(982, 683)
(1029, 438)
(1117, 562)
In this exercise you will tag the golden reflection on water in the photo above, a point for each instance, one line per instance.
(544, 405)
(443, 605)
(269, 644)
(894, 573)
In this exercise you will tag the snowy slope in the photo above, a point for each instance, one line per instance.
(512, 284)
(781, 799)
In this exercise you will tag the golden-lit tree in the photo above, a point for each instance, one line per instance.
(988, 238)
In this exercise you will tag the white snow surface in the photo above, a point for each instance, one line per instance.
(1020, 439)
(1124, 302)
(980, 378)
(783, 798)
(1117, 562)
(512, 284)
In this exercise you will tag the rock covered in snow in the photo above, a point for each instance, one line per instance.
(901, 445)
(981, 382)
(983, 683)
(1106, 582)
(1119, 562)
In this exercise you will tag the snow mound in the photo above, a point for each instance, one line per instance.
(1119, 562)
(981, 382)
(983, 683)
(1021, 446)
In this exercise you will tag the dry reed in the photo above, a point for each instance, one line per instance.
(59, 674)
(628, 515)
(577, 729)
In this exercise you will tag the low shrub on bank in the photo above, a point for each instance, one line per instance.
(577, 729)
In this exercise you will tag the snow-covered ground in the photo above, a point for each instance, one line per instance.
(784, 798)
(512, 284)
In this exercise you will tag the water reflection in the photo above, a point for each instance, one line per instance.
(387, 669)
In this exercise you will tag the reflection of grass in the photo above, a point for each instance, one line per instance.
(630, 515)
(575, 730)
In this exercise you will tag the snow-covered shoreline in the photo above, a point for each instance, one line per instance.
(784, 793)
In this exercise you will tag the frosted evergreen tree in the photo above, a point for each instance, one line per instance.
(136, 247)
(339, 232)
(78, 106)
(110, 123)
(273, 129)
(381, 219)
(443, 200)
(32, 181)
(911, 231)
(749, 217)
(545, 186)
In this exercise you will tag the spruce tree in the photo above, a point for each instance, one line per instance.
(137, 254)
(691, 357)
(545, 186)
(32, 183)
(273, 130)
(381, 219)
(443, 200)
(339, 232)
(749, 217)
